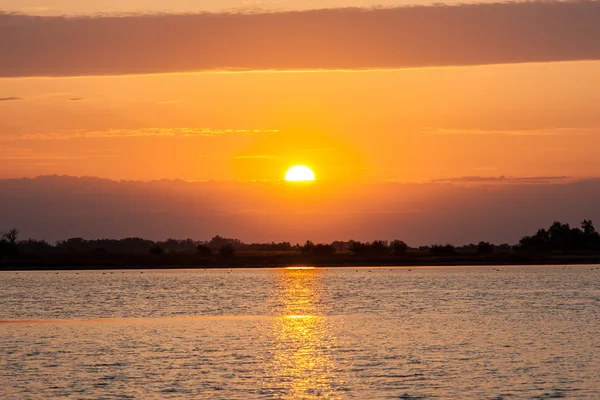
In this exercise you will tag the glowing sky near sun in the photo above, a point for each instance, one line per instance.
(406, 125)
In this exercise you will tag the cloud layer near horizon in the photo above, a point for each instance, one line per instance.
(350, 38)
(501, 210)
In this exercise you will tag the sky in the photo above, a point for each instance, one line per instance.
(86, 7)
(474, 95)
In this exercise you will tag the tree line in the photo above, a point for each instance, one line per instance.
(561, 237)
(558, 237)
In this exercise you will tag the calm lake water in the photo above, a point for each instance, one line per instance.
(366, 333)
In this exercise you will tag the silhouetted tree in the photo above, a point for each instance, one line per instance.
(375, 248)
(442, 250)
(156, 250)
(399, 248)
(178, 246)
(32, 246)
(379, 248)
(590, 237)
(322, 250)
(341, 246)
(485, 248)
(3, 247)
(537, 243)
(588, 227)
(308, 248)
(11, 236)
(226, 252)
(562, 237)
(8, 242)
(283, 246)
(203, 251)
(218, 242)
(357, 248)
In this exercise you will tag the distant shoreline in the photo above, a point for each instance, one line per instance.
(177, 261)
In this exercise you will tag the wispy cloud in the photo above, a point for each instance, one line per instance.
(128, 133)
(346, 38)
(11, 98)
(9, 153)
(506, 179)
(258, 157)
(27, 10)
(512, 132)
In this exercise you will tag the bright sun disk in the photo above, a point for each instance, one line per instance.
(299, 173)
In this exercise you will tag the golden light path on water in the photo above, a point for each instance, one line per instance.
(301, 363)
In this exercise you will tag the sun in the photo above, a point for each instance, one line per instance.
(299, 173)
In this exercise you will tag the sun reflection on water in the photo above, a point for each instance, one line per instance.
(301, 366)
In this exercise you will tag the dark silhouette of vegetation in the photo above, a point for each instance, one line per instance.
(156, 250)
(558, 243)
(375, 248)
(378, 248)
(218, 242)
(8, 243)
(485, 248)
(308, 248)
(561, 237)
(32, 246)
(227, 251)
(203, 251)
(319, 250)
(442, 250)
(283, 246)
(399, 248)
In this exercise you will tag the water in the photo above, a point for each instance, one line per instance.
(366, 333)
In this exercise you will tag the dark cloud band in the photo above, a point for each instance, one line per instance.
(320, 39)
(11, 98)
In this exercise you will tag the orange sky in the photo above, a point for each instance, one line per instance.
(60, 7)
(415, 120)
(537, 119)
